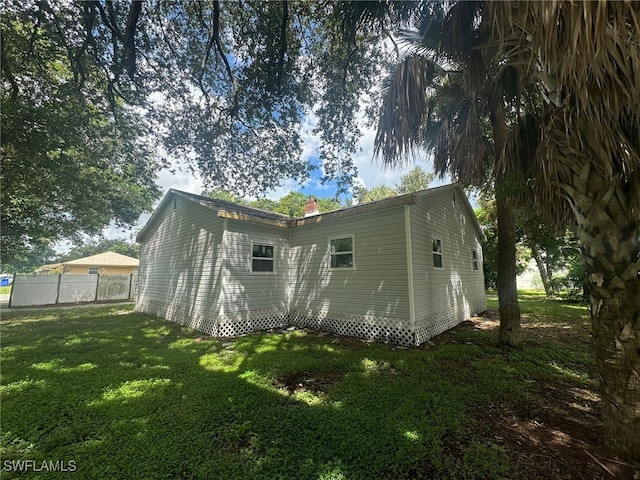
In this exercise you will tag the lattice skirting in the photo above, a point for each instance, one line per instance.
(437, 322)
(252, 321)
(216, 325)
(380, 329)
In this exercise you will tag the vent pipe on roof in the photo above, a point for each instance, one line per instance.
(311, 208)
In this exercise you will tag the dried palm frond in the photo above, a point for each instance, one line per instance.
(585, 60)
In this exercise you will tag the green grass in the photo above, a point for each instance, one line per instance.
(6, 290)
(126, 395)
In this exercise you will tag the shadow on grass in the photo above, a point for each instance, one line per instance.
(130, 396)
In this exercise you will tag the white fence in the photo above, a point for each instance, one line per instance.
(34, 290)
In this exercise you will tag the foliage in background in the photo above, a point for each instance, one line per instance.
(292, 203)
(415, 180)
(559, 252)
(380, 192)
(487, 218)
(30, 259)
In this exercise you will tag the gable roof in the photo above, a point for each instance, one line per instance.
(226, 209)
(111, 259)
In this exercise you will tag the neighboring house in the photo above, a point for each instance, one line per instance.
(400, 270)
(109, 263)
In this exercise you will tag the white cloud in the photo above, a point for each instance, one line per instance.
(370, 173)
(180, 179)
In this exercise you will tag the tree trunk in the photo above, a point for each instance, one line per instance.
(609, 232)
(509, 333)
(544, 274)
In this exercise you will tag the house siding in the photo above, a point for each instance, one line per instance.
(181, 265)
(195, 269)
(444, 297)
(253, 301)
(370, 300)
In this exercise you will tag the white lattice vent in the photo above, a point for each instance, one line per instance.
(380, 329)
(252, 321)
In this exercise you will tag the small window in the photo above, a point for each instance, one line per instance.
(437, 253)
(455, 200)
(341, 252)
(474, 258)
(93, 270)
(261, 258)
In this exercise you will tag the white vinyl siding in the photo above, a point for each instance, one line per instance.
(454, 291)
(245, 290)
(378, 286)
(181, 261)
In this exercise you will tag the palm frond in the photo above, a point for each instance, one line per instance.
(404, 111)
(585, 58)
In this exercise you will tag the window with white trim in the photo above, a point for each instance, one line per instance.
(93, 270)
(437, 252)
(262, 258)
(474, 259)
(341, 251)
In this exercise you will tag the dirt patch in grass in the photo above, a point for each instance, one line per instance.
(314, 381)
(555, 434)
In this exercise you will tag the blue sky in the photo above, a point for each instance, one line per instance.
(370, 174)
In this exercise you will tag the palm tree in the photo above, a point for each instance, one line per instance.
(451, 97)
(585, 60)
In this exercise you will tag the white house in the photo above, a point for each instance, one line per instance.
(398, 270)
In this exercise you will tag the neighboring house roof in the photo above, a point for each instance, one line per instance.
(110, 259)
(49, 267)
(235, 211)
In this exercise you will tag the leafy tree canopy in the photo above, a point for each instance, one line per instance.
(89, 89)
(74, 157)
(417, 179)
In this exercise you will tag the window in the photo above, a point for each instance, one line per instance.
(341, 250)
(455, 200)
(474, 258)
(437, 253)
(261, 258)
(93, 270)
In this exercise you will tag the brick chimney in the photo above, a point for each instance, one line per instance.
(311, 208)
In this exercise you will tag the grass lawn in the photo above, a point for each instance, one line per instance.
(6, 290)
(125, 395)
